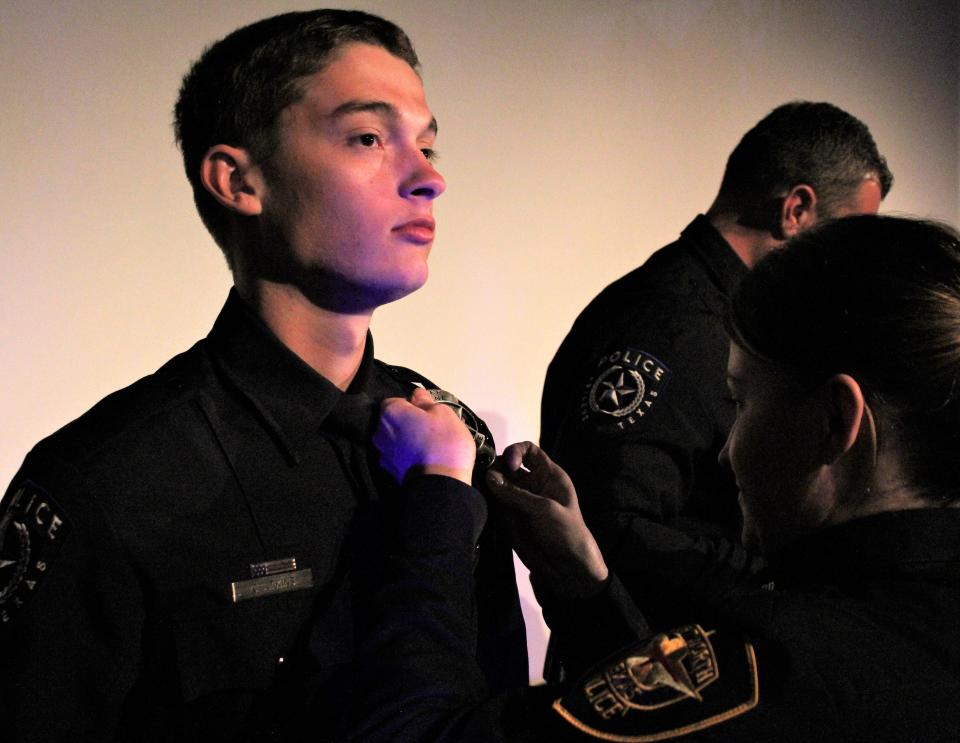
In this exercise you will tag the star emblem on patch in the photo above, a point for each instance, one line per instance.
(671, 667)
(665, 687)
(662, 667)
(617, 391)
(622, 389)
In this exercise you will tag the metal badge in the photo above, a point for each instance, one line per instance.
(482, 438)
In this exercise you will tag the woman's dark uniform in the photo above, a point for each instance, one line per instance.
(853, 634)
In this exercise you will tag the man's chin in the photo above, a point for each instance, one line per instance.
(337, 294)
(386, 294)
(393, 287)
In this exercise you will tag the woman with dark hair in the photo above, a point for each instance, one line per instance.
(844, 363)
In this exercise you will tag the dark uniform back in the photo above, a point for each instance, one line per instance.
(635, 406)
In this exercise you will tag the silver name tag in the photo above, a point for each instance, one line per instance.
(271, 584)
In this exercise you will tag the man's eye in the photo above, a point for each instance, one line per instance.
(429, 153)
(367, 140)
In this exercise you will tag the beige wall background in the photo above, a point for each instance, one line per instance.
(576, 137)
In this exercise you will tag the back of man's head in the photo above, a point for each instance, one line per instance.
(816, 144)
(234, 93)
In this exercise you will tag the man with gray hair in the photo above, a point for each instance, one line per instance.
(635, 405)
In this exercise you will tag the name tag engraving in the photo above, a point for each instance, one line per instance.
(271, 584)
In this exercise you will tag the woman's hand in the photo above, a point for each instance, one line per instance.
(549, 532)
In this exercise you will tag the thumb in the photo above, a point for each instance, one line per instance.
(511, 495)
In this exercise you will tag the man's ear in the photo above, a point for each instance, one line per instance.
(798, 210)
(232, 178)
(846, 413)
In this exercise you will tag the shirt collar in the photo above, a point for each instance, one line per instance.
(888, 544)
(292, 399)
(724, 265)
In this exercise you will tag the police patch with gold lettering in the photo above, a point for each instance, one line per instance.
(32, 527)
(622, 389)
(664, 687)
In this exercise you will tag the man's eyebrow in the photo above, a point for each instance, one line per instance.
(381, 107)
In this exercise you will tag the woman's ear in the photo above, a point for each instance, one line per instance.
(232, 178)
(846, 412)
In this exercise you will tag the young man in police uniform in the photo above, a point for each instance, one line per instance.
(185, 561)
(635, 405)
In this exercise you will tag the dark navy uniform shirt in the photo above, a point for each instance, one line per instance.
(635, 405)
(178, 563)
(850, 634)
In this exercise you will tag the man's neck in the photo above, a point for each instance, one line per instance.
(331, 343)
(748, 243)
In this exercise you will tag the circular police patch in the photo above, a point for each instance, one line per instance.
(617, 392)
(31, 529)
(622, 389)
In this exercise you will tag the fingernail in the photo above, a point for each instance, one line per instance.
(495, 478)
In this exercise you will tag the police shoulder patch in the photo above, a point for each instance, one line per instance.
(664, 687)
(621, 389)
(32, 527)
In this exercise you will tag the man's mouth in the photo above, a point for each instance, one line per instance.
(420, 231)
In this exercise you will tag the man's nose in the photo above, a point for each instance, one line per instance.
(424, 182)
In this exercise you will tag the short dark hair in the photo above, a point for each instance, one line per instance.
(234, 93)
(802, 142)
(877, 298)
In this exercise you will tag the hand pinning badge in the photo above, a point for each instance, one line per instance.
(482, 438)
(357, 415)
